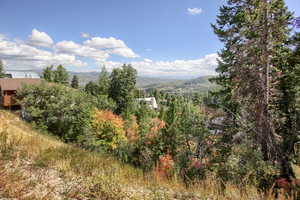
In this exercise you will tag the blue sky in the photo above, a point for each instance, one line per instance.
(159, 37)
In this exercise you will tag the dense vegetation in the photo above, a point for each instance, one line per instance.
(245, 132)
(2, 74)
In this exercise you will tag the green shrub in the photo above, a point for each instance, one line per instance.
(244, 166)
(103, 102)
(62, 111)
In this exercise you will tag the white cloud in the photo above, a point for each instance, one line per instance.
(184, 68)
(2, 36)
(105, 43)
(124, 52)
(194, 11)
(39, 39)
(147, 60)
(70, 47)
(112, 45)
(85, 35)
(18, 55)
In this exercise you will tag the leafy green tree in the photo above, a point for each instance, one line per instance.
(48, 74)
(75, 82)
(61, 110)
(91, 88)
(61, 75)
(2, 74)
(102, 102)
(122, 88)
(104, 82)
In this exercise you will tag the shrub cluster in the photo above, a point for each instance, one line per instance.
(60, 110)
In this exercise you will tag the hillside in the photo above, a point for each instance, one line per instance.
(201, 84)
(37, 166)
(85, 77)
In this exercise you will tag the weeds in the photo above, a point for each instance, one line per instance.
(7, 145)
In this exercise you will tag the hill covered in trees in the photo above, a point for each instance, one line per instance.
(201, 84)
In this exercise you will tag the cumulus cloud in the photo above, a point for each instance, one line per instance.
(29, 54)
(39, 39)
(70, 47)
(112, 45)
(105, 43)
(185, 68)
(18, 54)
(85, 35)
(194, 11)
(147, 60)
(21, 55)
(2, 37)
(124, 52)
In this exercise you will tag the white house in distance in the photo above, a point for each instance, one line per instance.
(150, 101)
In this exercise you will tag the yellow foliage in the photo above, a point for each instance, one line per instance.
(109, 128)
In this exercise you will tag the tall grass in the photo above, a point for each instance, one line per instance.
(95, 175)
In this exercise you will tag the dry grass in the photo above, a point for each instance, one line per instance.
(45, 168)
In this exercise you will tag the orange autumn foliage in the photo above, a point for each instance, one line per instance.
(165, 166)
(109, 128)
(156, 125)
(132, 129)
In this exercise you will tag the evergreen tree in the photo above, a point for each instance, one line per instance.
(75, 82)
(122, 87)
(61, 75)
(91, 88)
(2, 74)
(104, 81)
(48, 74)
(287, 103)
(253, 32)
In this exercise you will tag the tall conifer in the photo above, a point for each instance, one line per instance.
(253, 32)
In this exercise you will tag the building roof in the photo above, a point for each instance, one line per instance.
(150, 100)
(16, 83)
(22, 74)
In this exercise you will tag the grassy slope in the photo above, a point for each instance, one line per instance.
(37, 166)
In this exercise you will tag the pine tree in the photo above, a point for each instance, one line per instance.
(287, 103)
(104, 81)
(48, 74)
(253, 32)
(75, 82)
(92, 88)
(61, 75)
(2, 74)
(122, 87)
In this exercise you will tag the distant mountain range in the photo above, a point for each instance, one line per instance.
(85, 77)
(200, 84)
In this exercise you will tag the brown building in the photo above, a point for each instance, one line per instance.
(9, 87)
